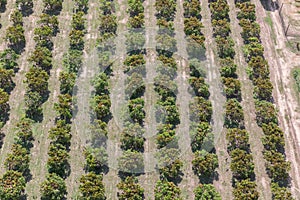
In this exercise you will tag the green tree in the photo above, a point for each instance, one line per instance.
(101, 84)
(192, 26)
(4, 106)
(245, 189)
(165, 190)
(42, 57)
(12, 185)
(132, 137)
(232, 88)
(58, 160)
(200, 110)
(64, 107)
(54, 187)
(221, 27)
(18, 159)
(169, 164)
(228, 68)
(8, 59)
(265, 112)
(130, 189)
(42, 36)
(280, 193)
(67, 82)
(24, 133)
(108, 24)
(37, 81)
(61, 133)
(101, 106)
(192, 8)
(135, 86)
(6, 82)
(200, 88)
(50, 21)
(165, 9)
(166, 137)
(91, 187)
(237, 138)
(234, 115)
(73, 60)
(15, 37)
(263, 89)
(76, 39)
(204, 164)
(242, 165)
(206, 192)
(53, 7)
(136, 110)
(277, 167)
(25, 6)
(96, 159)
(202, 137)
(33, 103)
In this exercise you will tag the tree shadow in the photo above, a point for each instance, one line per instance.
(269, 5)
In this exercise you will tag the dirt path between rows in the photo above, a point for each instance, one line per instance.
(189, 180)
(255, 132)
(223, 184)
(151, 176)
(282, 61)
(83, 92)
(115, 126)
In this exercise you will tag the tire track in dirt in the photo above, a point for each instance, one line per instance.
(223, 184)
(255, 132)
(281, 61)
(189, 180)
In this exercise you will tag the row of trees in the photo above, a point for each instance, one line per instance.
(266, 113)
(167, 113)
(131, 162)
(91, 183)
(205, 159)
(13, 181)
(8, 68)
(242, 165)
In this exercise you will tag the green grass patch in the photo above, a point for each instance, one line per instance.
(296, 76)
(269, 21)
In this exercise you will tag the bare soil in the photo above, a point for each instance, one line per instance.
(117, 96)
(151, 176)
